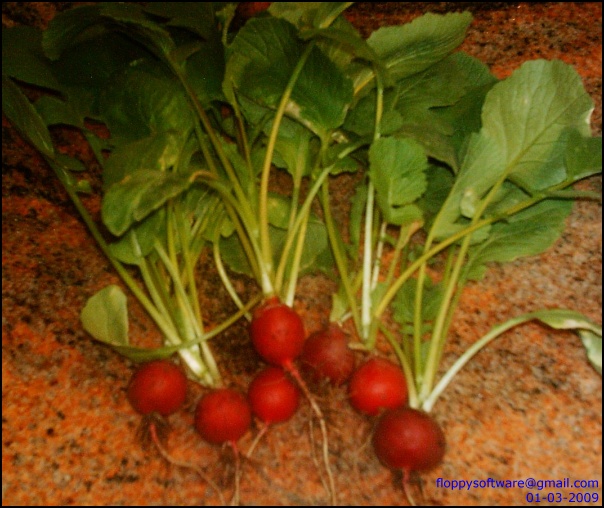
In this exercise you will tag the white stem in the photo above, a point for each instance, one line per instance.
(366, 298)
(465, 358)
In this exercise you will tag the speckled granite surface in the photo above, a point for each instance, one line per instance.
(528, 406)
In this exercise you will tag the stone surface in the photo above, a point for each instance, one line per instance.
(527, 406)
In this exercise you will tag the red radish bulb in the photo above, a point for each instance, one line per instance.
(408, 439)
(249, 9)
(158, 386)
(277, 333)
(222, 415)
(273, 397)
(326, 355)
(377, 384)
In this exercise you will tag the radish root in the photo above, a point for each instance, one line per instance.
(291, 368)
(178, 463)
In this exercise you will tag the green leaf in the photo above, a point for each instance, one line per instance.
(316, 254)
(482, 165)
(583, 156)
(403, 304)
(411, 48)
(440, 182)
(157, 152)
(565, 319)
(70, 163)
(66, 28)
(198, 17)
(343, 45)
(294, 147)
(23, 58)
(420, 107)
(137, 195)
(260, 62)
(397, 169)
(105, 316)
(205, 69)
(589, 331)
(25, 118)
(89, 68)
(526, 121)
(57, 112)
(527, 233)
(527, 114)
(144, 100)
(342, 38)
(140, 239)
(299, 14)
(131, 20)
(593, 346)
(328, 12)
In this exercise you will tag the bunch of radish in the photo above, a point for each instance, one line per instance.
(157, 390)
(404, 438)
(278, 335)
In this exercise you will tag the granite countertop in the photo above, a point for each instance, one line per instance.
(530, 405)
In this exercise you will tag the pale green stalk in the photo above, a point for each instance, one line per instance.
(406, 366)
(430, 399)
(265, 243)
(302, 215)
(226, 281)
(366, 289)
(367, 263)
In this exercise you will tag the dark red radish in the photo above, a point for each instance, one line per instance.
(249, 9)
(273, 396)
(277, 333)
(223, 415)
(408, 439)
(377, 384)
(326, 355)
(158, 386)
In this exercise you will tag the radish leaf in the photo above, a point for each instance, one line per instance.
(397, 169)
(105, 316)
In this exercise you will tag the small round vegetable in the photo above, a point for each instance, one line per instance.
(158, 386)
(273, 397)
(326, 355)
(408, 439)
(277, 333)
(222, 415)
(377, 384)
(249, 9)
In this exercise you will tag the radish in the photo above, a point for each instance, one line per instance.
(158, 389)
(326, 355)
(158, 386)
(377, 384)
(277, 333)
(408, 439)
(249, 9)
(273, 397)
(222, 415)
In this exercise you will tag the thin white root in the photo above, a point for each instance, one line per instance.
(257, 440)
(179, 463)
(406, 489)
(317, 410)
(236, 499)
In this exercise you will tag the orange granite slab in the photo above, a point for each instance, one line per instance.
(528, 406)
